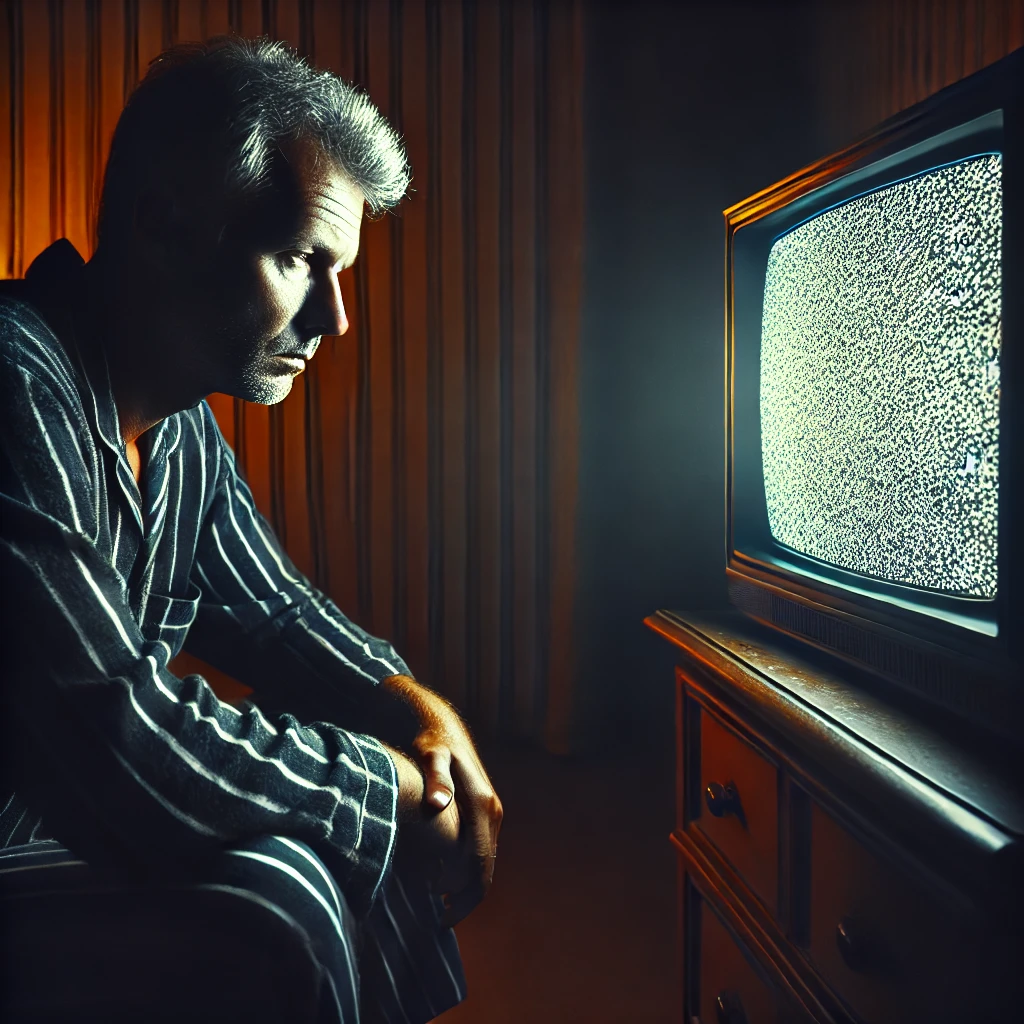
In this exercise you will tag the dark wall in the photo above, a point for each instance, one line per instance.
(688, 109)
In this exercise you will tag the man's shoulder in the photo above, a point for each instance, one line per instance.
(19, 316)
(28, 341)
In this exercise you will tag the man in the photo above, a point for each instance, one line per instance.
(232, 198)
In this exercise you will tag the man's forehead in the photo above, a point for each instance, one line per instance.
(308, 193)
(337, 204)
(320, 181)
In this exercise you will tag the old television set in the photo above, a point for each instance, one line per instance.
(875, 368)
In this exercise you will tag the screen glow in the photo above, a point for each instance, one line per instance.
(880, 348)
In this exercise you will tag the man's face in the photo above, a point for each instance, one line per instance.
(255, 304)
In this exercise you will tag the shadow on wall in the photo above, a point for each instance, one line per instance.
(689, 108)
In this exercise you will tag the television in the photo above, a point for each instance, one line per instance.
(874, 377)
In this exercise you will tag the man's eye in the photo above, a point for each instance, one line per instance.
(294, 261)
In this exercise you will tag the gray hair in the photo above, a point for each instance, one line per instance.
(221, 110)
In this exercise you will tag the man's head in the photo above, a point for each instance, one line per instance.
(233, 195)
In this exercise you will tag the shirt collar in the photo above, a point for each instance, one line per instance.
(57, 284)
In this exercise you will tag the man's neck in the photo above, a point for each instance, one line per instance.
(144, 376)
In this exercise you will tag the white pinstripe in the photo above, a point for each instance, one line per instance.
(317, 866)
(394, 987)
(455, 985)
(405, 949)
(335, 920)
(253, 897)
(17, 824)
(291, 579)
(20, 851)
(197, 826)
(40, 867)
(45, 434)
(236, 548)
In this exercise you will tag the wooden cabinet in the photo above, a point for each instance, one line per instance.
(891, 948)
(737, 809)
(841, 858)
(731, 987)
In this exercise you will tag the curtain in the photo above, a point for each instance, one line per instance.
(878, 57)
(929, 44)
(423, 470)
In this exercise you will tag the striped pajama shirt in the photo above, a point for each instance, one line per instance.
(117, 773)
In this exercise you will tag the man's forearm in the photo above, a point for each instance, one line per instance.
(408, 706)
(383, 711)
(399, 708)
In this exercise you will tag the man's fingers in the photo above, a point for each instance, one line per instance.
(482, 810)
(454, 876)
(437, 777)
(478, 874)
(461, 903)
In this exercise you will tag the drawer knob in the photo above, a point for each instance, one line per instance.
(852, 946)
(722, 800)
(729, 1009)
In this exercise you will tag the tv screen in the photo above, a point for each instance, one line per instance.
(879, 381)
(875, 427)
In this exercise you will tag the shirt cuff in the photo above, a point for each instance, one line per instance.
(360, 868)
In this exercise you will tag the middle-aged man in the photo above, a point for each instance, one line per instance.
(233, 196)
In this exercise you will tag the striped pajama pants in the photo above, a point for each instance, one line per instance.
(265, 935)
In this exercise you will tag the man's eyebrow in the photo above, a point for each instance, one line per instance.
(342, 260)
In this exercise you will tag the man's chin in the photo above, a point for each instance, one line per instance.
(267, 390)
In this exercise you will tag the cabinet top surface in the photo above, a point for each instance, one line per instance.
(783, 675)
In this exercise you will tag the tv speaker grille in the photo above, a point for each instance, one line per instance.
(940, 678)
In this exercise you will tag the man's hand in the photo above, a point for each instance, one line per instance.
(428, 839)
(442, 747)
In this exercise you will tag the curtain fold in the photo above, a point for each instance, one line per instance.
(878, 57)
(423, 470)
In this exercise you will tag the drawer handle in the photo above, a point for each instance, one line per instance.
(729, 1009)
(852, 946)
(722, 800)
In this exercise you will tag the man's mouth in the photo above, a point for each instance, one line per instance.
(295, 362)
(304, 356)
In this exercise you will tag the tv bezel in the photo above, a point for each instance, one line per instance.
(960, 635)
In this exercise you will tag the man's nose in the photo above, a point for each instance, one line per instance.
(326, 309)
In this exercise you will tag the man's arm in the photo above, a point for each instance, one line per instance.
(139, 772)
(262, 622)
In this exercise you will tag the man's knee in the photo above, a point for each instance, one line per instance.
(290, 875)
(288, 879)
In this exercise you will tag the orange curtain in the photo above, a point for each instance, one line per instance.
(424, 473)
(929, 44)
(878, 57)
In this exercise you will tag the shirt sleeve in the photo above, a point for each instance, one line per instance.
(263, 622)
(141, 773)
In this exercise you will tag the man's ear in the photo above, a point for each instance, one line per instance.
(159, 226)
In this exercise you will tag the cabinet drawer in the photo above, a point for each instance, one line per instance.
(730, 989)
(888, 947)
(735, 805)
